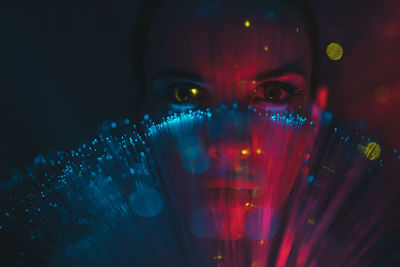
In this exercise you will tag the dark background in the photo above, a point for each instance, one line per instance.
(67, 67)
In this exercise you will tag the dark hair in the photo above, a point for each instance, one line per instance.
(145, 16)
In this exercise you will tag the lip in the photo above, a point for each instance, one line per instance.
(236, 184)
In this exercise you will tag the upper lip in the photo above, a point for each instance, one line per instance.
(236, 184)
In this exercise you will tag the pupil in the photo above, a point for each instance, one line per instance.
(184, 94)
(272, 93)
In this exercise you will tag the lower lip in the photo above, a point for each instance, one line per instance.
(226, 198)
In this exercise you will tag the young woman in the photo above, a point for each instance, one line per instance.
(196, 54)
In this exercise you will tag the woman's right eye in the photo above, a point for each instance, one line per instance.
(188, 93)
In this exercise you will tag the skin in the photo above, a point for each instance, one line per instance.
(250, 53)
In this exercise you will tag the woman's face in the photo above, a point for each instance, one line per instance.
(202, 54)
(239, 52)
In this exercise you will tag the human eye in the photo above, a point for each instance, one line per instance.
(275, 92)
(186, 93)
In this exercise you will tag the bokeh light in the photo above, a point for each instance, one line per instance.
(310, 178)
(270, 14)
(205, 223)
(247, 23)
(195, 159)
(334, 51)
(146, 201)
(372, 151)
(218, 257)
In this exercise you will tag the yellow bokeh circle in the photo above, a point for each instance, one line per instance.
(373, 151)
(334, 51)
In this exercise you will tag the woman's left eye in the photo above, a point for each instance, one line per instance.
(274, 92)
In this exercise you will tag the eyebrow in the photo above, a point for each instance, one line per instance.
(187, 75)
(278, 73)
(178, 75)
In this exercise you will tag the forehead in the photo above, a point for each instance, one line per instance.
(234, 39)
